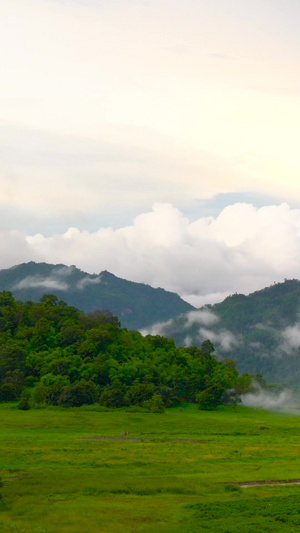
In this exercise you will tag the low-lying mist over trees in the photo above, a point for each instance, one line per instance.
(261, 332)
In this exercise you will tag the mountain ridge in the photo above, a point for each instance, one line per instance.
(260, 331)
(137, 305)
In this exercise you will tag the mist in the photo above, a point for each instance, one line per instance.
(285, 400)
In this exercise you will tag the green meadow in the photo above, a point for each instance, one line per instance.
(181, 474)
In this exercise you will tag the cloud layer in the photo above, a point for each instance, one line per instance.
(241, 250)
(107, 107)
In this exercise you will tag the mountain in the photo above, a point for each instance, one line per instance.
(135, 304)
(261, 331)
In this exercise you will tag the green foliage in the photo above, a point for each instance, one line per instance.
(70, 359)
(155, 404)
(54, 387)
(39, 393)
(208, 400)
(8, 316)
(244, 384)
(7, 392)
(81, 393)
(15, 378)
(114, 395)
(24, 402)
(139, 393)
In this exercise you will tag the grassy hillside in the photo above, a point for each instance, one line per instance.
(261, 332)
(135, 304)
(176, 476)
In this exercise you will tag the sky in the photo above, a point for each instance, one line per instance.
(156, 139)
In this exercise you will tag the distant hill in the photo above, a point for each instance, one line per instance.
(135, 304)
(261, 332)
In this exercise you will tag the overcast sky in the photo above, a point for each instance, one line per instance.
(157, 139)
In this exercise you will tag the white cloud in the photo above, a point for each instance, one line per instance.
(290, 339)
(47, 283)
(63, 271)
(87, 281)
(188, 341)
(224, 338)
(164, 249)
(206, 317)
(157, 329)
(14, 249)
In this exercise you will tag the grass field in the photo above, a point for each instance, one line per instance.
(55, 482)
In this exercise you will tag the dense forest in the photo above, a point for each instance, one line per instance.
(54, 354)
(261, 331)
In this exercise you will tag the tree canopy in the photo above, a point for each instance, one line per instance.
(64, 357)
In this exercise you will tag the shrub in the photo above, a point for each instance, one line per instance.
(208, 400)
(155, 404)
(81, 393)
(54, 386)
(7, 392)
(24, 401)
(139, 393)
(39, 393)
(113, 395)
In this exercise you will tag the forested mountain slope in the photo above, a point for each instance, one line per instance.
(261, 331)
(135, 304)
(54, 354)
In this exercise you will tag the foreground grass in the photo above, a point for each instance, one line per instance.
(55, 482)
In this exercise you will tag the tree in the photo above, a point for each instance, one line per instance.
(97, 340)
(114, 395)
(51, 388)
(44, 335)
(138, 393)
(81, 393)
(16, 378)
(12, 356)
(49, 300)
(70, 334)
(7, 392)
(208, 400)
(8, 311)
(217, 382)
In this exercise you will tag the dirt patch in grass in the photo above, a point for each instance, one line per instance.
(13, 478)
(140, 439)
(246, 484)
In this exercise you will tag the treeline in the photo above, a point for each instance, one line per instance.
(51, 353)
